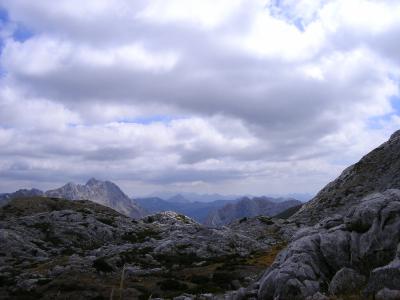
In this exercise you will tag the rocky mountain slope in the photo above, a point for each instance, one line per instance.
(101, 192)
(52, 248)
(353, 250)
(247, 207)
(377, 171)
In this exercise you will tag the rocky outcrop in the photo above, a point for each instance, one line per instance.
(357, 253)
(378, 171)
(102, 192)
(59, 249)
(249, 207)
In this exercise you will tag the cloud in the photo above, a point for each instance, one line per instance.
(231, 91)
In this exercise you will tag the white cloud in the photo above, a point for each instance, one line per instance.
(248, 96)
(207, 13)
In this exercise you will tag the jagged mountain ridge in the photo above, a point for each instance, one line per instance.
(249, 207)
(190, 197)
(195, 210)
(377, 171)
(106, 193)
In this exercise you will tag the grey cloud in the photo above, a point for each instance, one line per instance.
(287, 115)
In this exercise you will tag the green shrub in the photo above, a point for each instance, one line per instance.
(199, 279)
(101, 265)
(106, 221)
(172, 285)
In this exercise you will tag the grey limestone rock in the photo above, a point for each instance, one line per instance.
(346, 281)
(102, 192)
(366, 241)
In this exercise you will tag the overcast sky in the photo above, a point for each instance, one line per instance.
(228, 96)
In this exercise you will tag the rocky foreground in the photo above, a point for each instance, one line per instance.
(60, 249)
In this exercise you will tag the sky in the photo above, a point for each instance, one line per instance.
(228, 96)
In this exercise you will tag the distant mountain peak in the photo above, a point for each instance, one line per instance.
(93, 181)
(178, 198)
(103, 192)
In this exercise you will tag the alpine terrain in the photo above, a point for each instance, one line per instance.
(343, 244)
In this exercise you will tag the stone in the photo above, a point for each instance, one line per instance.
(388, 294)
(346, 282)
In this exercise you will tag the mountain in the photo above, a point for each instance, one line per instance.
(102, 192)
(286, 214)
(377, 171)
(249, 207)
(304, 197)
(348, 246)
(195, 210)
(5, 198)
(191, 197)
(178, 199)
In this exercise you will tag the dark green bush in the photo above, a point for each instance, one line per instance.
(172, 285)
(101, 265)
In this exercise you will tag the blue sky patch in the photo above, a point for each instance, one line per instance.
(145, 120)
(377, 122)
(396, 104)
(3, 15)
(22, 33)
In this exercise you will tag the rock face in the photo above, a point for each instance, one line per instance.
(52, 248)
(353, 247)
(376, 172)
(247, 207)
(366, 240)
(102, 192)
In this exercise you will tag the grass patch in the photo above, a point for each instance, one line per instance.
(266, 259)
(183, 219)
(265, 220)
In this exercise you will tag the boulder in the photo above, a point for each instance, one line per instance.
(346, 282)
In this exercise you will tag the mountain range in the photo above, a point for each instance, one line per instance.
(249, 207)
(206, 212)
(101, 192)
(198, 211)
(343, 244)
(189, 197)
(196, 197)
